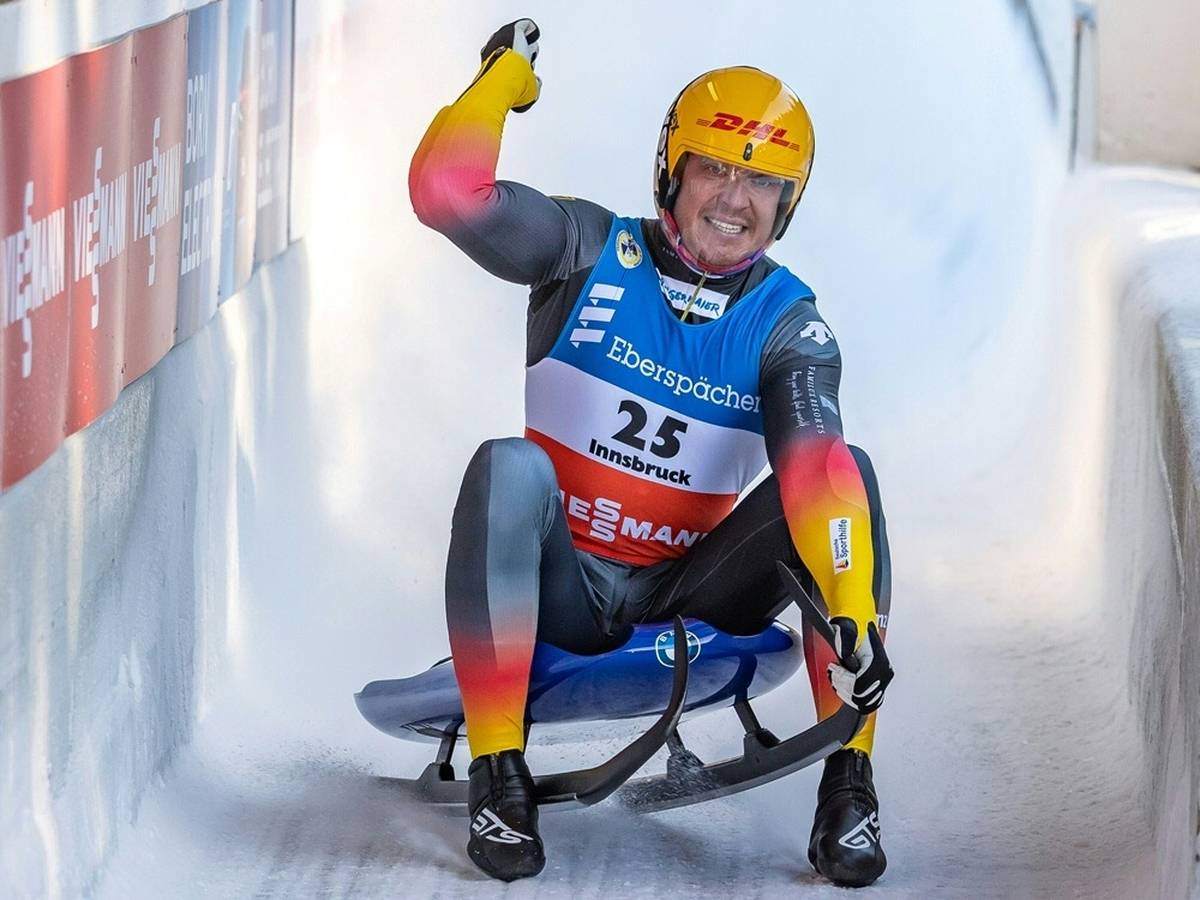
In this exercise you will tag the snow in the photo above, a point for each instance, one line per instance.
(1004, 368)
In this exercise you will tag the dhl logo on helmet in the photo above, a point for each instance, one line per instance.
(724, 121)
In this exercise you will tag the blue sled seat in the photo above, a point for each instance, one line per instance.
(630, 681)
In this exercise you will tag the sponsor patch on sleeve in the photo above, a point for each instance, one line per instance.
(839, 543)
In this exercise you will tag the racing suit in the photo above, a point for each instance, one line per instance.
(643, 427)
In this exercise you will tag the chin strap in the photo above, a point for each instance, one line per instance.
(675, 239)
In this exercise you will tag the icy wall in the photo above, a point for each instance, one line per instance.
(1135, 258)
(120, 597)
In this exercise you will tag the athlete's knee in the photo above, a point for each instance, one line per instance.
(516, 460)
(510, 484)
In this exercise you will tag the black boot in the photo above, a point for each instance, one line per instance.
(844, 846)
(504, 838)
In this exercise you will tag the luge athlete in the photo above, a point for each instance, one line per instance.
(668, 360)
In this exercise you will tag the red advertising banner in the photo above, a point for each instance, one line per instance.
(98, 227)
(34, 309)
(156, 149)
(103, 158)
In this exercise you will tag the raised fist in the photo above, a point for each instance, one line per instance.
(521, 37)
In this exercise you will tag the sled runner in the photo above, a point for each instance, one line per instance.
(664, 670)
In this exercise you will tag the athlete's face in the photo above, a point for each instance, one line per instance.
(725, 213)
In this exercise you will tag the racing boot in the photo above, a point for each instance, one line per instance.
(504, 838)
(844, 846)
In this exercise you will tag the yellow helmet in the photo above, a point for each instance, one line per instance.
(741, 116)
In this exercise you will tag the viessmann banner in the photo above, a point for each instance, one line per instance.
(34, 265)
(131, 181)
(156, 151)
(98, 217)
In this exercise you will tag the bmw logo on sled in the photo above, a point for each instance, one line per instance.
(664, 648)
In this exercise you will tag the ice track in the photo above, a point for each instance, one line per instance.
(1009, 404)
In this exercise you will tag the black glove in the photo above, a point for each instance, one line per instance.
(861, 676)
(521, 37)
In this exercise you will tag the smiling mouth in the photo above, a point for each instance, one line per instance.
(729, 228)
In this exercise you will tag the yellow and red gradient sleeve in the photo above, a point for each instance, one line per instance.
(819, 481)
(453, 171)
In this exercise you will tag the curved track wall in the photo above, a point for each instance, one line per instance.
(1133, 262)
(1154, 504)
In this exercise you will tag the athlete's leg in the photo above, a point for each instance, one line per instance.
(512, 577)
(729, 580)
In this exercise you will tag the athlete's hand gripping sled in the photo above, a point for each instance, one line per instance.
(625, 683)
